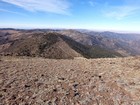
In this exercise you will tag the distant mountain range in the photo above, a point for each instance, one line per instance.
(67, 44)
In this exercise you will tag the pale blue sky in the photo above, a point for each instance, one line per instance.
(121, 15)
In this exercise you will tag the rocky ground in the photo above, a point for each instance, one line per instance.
(38, 81)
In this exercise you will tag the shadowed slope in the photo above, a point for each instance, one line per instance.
(54, 45)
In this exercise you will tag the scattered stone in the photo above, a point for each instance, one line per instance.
(112, 62)
(26, 104)
(1, 95)
(76, 94)
(49, 103)
(13, 97)
(4, 90)
(39, 84)
(42, 75)
(93, 87)
(100, 76)
(75, 85)
(27, 86)
(61, 78)
(97, 86)
(54, 90)
(35, 80)
(132, 83)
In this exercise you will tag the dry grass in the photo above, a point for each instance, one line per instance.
(38, 81)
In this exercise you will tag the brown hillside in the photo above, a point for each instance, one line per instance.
(50, 45)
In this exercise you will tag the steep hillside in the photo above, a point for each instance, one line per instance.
(125, 44)
(82, 38)
(51, 44)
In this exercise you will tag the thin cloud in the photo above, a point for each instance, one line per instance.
(52, 6)
(92, 3)
(121, 11)
(4, 10)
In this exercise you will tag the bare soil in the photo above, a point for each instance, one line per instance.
(38, 81)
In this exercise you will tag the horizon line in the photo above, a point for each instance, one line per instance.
(96, 30)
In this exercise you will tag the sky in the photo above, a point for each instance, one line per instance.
(117, 15)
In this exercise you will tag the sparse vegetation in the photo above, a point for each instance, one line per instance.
(54, 45)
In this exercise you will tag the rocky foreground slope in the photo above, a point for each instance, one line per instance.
(37, 81)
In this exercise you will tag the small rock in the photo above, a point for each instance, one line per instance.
(42, 75)
(4, 90)
(13, 97)
(76, 94)
(93, 87)
(0, 95)
(49, 103)
(54, 90)
(26, 86)
(39, 84)
(100, 76)
(112, 62)
(1, 81)
(35, 80)
(61, 78)
(75, 85)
